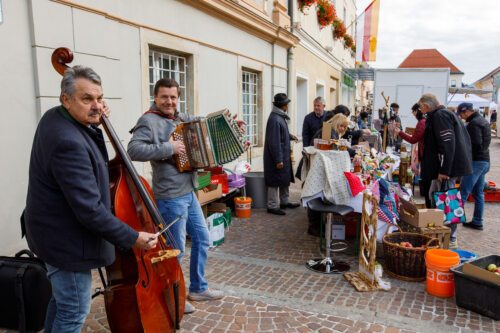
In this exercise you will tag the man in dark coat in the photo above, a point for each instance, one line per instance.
(480, 137)
(447, 149)
(278, 173)
(68, 220)
(313, 122)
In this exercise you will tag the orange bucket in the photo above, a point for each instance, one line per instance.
(243, 207)
(440, 280)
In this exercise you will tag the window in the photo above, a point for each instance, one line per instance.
(251, 109)
(453, 83)
(320, 90)
(165, 65)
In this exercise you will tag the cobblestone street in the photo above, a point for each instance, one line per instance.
(260, 268)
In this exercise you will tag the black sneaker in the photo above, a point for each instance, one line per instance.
(290, 205)
(473, 226)
(275, 211)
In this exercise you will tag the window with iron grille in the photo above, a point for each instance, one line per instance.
(165, 65)
(251, 109)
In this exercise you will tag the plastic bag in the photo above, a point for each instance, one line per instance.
(242, 167)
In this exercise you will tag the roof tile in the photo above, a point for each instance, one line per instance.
(428, 58)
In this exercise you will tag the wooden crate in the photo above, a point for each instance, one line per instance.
(442, 233)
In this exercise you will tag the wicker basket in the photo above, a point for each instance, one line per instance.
(405, 263)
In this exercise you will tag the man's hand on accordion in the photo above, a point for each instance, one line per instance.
(178, 146)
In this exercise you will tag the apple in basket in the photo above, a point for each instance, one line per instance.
(492, 268)
(406, 244)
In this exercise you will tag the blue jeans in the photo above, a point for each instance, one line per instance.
(70, 302)
(193, 223)
(474, 184)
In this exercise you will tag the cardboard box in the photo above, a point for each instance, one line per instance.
(220, 207)
(409, 213)
(210, 193)
(217, 207)
(481, 273)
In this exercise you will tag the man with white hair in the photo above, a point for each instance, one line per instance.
(313, 121)
(448, 152)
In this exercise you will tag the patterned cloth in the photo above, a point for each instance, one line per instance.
(388, 211)
(325, 176)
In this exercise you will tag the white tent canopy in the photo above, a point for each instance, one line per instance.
(455, 99)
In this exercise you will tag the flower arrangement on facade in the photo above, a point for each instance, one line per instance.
(339, 29)
(348, 41)
(325, 12)
(304, 4)
(353, 48)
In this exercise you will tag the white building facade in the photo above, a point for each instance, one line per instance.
(224, 53)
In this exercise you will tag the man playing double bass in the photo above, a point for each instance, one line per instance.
(68, 221)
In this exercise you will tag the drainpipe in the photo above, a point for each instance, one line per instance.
(289, 76)
(290, 63)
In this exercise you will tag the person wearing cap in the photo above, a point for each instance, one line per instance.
(278, 173)
(447, 150)
(480, 137)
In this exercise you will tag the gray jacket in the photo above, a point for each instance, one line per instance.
(150, 143)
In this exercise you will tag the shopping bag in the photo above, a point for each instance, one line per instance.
(451, 203)
(216, 229)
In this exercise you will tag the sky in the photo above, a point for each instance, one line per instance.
(467, 32)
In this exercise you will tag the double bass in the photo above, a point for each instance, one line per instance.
(145, 290)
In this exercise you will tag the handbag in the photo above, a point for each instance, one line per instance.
(449, 200)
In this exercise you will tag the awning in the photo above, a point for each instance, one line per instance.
(455, 99)
(363, 74)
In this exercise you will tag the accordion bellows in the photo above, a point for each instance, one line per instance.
(209, 142)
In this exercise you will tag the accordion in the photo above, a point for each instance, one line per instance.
(209, 142)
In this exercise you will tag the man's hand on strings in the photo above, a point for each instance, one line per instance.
(146, 240)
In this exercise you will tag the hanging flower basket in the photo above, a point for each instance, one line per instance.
(339, 29)
(325, 12)
(304, 4)
(348, 41)
(353, 48)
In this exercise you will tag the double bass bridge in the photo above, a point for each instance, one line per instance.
(164, 255)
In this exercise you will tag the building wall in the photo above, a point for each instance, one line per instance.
(115, 38)
(457, 79)
(486, 84)
(20, 113)
(319, 60)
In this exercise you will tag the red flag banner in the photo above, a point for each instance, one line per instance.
(366, 32)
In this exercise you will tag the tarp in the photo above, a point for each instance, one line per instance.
(455, 99)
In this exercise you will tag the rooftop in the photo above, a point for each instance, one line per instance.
(429, 58)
